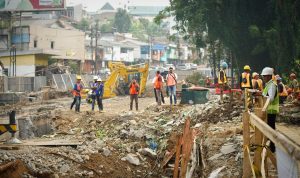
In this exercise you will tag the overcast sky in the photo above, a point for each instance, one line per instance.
(94, 5)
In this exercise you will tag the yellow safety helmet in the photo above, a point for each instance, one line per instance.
(247, 67)
(78, 77)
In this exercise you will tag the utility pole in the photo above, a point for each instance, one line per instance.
(96, 44)
(91, 45)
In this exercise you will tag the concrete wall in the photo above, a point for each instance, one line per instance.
(25, 65)
(67, 43)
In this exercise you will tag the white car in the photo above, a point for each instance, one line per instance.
(192, 66)
(167, 66)
(183, 67)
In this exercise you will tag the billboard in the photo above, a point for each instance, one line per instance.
(31, 5)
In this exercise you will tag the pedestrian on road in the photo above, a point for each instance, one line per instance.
(272, 104)
(94, 87)
(158, 85)
(134, 89)
(153, 81)
(171, 83)
(77, 95)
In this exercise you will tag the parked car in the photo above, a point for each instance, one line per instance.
(192, 66)
(167, 66)
(183, 67)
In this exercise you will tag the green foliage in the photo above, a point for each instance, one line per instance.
(107, 27)
(83, 25)
(257, 33)
(195, 78)
(122, 21)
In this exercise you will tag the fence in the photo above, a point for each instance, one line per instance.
(64, 82)
(26, 84)
(259, 165)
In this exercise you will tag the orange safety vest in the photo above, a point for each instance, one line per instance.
(171, 80)
(133, 89)
(247, 77)
(78, 89)
(158, 82)
(260, 84)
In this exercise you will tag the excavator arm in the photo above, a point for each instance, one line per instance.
(120, 70)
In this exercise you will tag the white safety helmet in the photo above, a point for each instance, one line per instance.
(267, 71)
(95, 78)
(99, 80)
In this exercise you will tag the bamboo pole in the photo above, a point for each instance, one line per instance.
(246, 138)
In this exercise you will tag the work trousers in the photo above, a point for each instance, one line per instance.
(135, 98)
(172, 92)
(76, 102)
(158, 95)
(271, 123)
(162, 96)
(99, 102)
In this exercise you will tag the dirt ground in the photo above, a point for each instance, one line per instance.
(111, 144)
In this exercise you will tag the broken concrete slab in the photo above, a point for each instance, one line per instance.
(216, 156)
(227, 148)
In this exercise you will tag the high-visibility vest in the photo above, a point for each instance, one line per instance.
(158, 82)
(260, 84)
(133, 89)
(247, 77)
(254, 81)
(76, 89)
(284, 92)
(171, 79)
(273, 107)
(219, 78)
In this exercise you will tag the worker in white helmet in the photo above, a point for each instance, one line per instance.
(94, 87)
(99, 95)
(272, 104)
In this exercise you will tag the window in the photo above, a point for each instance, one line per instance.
(35, 43)
(52, 44)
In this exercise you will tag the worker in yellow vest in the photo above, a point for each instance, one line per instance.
(281, 89)
(222, 79)
(257, 83)
(271, 106)
(246, 78)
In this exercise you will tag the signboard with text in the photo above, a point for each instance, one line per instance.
(31, 5)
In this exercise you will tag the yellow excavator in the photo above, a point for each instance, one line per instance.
(117, 83)
(121, 75)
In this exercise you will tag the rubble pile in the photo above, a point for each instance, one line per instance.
(289, 113)
(134, 142)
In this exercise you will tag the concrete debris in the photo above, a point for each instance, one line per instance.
(216, 156)
(227, 148)
(106, 152)
(147, 152)
(132, 158)
(215, 173)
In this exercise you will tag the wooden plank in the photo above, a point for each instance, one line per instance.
(177, 159)
(246, 138)
(59, 142)
(168, 157)
(185, 137)
(258, 141)
(277, 138)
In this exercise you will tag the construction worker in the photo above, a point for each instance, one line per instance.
(94, 87)
(207, 81)
(99, 94)
(153, 82)
(171, 84)
(77, 95)
(222, 79)
(158, 84)
(294, 85)
(134, 92)
(246, 78)
(272, 104)
(257, 83)
(281, 89)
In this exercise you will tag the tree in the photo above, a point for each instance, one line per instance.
(83, 25)
(122, 21)
(258, 33)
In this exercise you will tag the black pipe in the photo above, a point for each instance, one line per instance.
(12, 117)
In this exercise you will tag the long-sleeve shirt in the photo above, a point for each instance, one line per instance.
(272, 90)
(99, 90)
